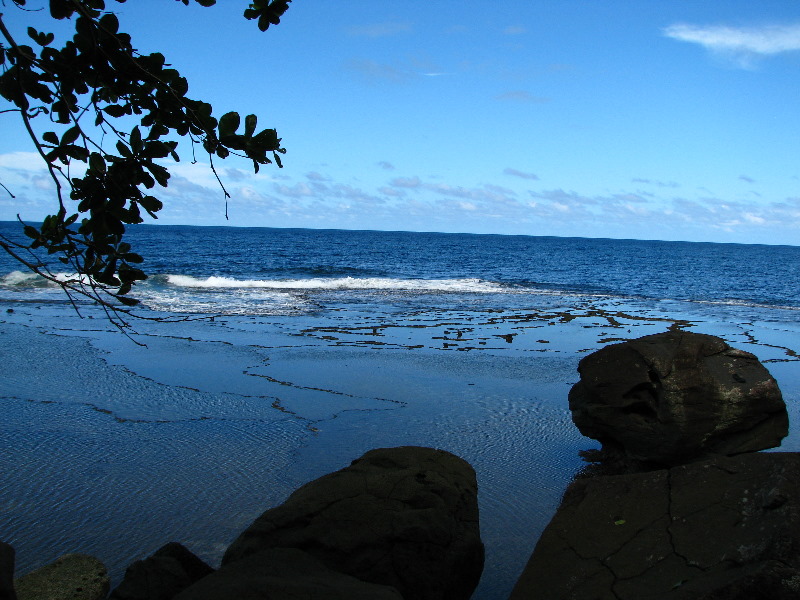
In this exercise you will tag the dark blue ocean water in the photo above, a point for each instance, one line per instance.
(306, 348)
(273, 271)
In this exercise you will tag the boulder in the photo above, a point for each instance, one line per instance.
(170, 570)
(678, 396)
(7, 572)
(400, 517)
(285, 574)
(725, 528)
(71, 577)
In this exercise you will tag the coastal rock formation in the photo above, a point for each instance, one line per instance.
(675, 397)
(7, 572)
(397, 524)
(71, 577)
(725, 528)
(400, 517)
(284, 573)
(170, 570)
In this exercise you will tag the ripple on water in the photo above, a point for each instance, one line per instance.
(79, 481)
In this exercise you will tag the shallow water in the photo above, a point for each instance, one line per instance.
(114, 449)
(311, 347)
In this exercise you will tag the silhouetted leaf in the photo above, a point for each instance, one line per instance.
(228, 124)
(70, 135)
(126, 300)
(109, 22)
(99, 77)
(97, 163)
(115, 110)
(135, 140)
(250, 125)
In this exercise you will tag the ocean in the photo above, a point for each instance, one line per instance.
(287, 353)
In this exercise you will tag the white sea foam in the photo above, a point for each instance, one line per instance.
(30, 279)
(222, 301)
(745, 304)
(19, 278)
(341, 283)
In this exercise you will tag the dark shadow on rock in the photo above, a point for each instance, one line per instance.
(402, 517)
(285, 574)
(726, 527)
(170, 570)
(7, 572)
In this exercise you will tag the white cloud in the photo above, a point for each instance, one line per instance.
(375, 30)
(24, 161)
(742, 45)
(755, 219)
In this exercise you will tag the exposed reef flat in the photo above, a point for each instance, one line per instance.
(216, 420)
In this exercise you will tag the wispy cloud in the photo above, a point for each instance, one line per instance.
(386, 165)
(315, 176)
(376, 30)
(400, 72)
(746, 179)
(521, 96)
(318, 198)
(743, 46)
(375, 72)
(655, 182)
(515, 30)
(406, 182)
(522, 174)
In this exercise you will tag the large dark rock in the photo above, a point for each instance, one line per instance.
(7, 572)
(725, 528)
(284, 574)
(677, 396)
(71, 577)
(401, 517)
(171, 569)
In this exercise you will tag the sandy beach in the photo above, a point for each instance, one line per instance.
(113, 449)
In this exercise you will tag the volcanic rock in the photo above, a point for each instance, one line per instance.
(285, 574)
(7, 572)
(71, 577)
(725, 528)
(400, 517)
(678, 396)
(170, 570)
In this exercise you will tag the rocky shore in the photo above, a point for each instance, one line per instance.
(678, 504)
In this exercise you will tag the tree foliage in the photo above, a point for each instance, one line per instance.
(109, 116)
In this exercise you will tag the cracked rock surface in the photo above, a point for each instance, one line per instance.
(724, 528)
(677, 396)
(400, 517)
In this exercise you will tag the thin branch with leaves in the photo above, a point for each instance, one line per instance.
(99, 74)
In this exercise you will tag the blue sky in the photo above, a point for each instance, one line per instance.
(640, 119)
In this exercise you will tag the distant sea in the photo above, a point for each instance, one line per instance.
(301, 349)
